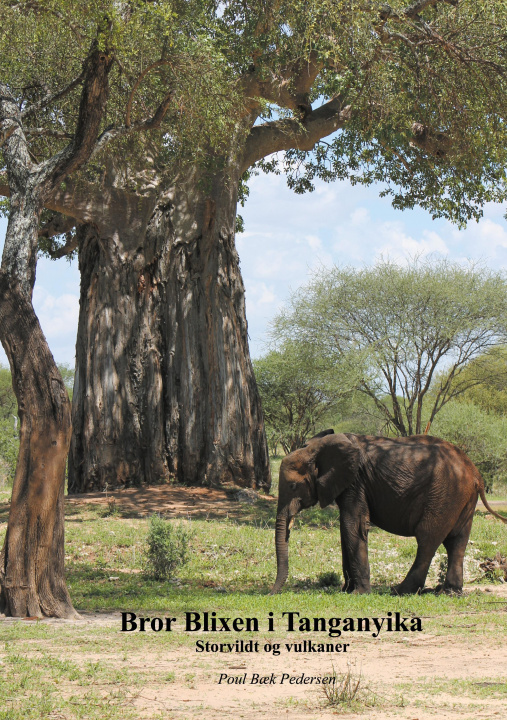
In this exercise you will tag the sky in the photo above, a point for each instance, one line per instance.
(287, 238)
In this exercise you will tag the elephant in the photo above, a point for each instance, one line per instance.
(412, 486)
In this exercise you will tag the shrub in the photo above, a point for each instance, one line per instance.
(347, 692)
(167, 548)
(329, 579)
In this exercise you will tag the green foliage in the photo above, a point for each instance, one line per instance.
(9, 422)
(298, 392)
(9, 448)
(394, 73)
(399, 326)
(67, 372)
(486, 377)
(158, 48)
(167, 548)
(361, 416)
(481, 435)
(9, 434)
(425, 91)
(8, 403)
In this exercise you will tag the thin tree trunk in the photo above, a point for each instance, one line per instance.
(32, 581)
(32, 578)
(164, 381)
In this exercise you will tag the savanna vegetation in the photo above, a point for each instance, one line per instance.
(129, 132)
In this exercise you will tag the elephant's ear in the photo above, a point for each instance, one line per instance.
(336, 467)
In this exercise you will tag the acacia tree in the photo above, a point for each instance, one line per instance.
(413, 330)
(71, 114)
(164, 384)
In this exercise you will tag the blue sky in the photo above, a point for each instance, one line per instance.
(287, 237)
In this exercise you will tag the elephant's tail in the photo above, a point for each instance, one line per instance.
(482, 493)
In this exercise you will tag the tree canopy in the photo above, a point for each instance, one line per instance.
(486, 377)
(417, 91)
(412, 329)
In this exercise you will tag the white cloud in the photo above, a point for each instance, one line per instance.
(57, 314)
(492, 233)
(314, 242)
(401, 247)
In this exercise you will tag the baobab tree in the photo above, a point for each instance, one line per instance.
(37, 159)
(411, 95)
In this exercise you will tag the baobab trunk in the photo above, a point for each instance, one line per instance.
(118, 422)
(164, 381)
(32, 581)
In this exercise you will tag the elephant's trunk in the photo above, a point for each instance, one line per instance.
(282, 533)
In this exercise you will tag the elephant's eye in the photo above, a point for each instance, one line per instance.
(293, 485)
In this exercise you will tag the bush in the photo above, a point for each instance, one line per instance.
(329, 579)
(167, 548)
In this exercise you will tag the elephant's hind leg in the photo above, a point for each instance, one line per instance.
(455, 544)
(416, 577)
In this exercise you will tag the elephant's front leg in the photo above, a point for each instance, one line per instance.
(354, 521)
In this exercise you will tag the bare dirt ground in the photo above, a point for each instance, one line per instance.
(381, 665)
(410, 678)
(173, 501)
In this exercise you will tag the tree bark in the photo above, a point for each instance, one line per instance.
(164, 382)
(32, 580)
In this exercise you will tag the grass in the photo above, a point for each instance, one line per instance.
(232, 563)
(348, 692)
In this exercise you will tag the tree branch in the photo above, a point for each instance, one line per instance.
(136, 85)
(148, 124)
(16, 151)
(54, 97)
(412, 11)
(108, 209)
(58, 225)
(43, 132)
(286, 134)
(288, 89)
(91, 109)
